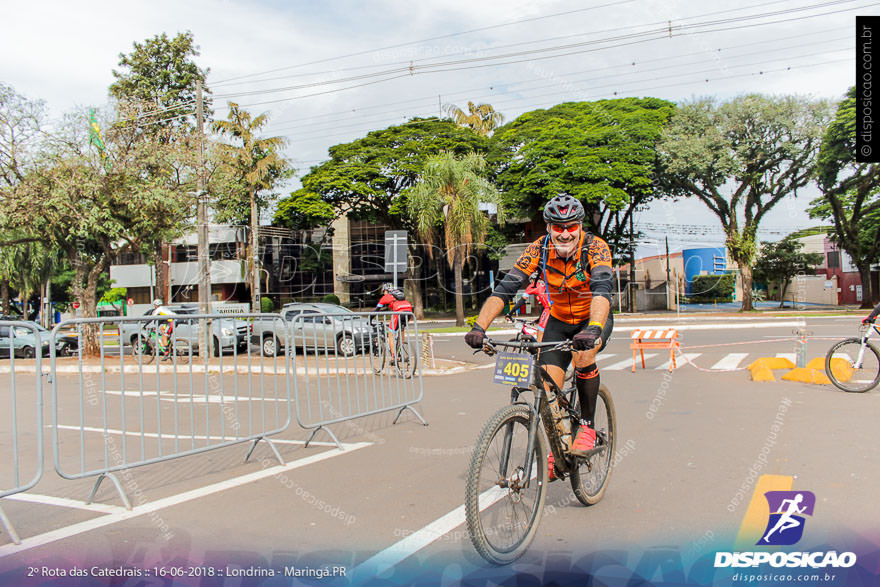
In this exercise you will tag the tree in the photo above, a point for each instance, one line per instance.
(740, 159)
(367, 179)
(20, 121)
(782, 261)
(602, 153)
(850, 194)
(94, 211)
(159, 76)
(449, 193)
(256, 166)
(156, 88)
(482, 118)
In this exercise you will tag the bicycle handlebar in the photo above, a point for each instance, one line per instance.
(489, 345)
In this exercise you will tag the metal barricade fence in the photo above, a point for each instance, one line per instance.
(354, 365)
(149, 398)
(21, 407)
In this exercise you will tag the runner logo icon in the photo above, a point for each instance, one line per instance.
(787, 511)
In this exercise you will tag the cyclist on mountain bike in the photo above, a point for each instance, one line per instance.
(576, 267)
(164, 327)
(539, 290)
(393, 299)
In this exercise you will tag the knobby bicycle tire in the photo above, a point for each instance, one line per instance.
(378, 352)
(498, 502)
(404, 359)
(853, 385)
(589, 486)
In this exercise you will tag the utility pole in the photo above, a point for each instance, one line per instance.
(632, 267)
(667, 274)
(205, 327)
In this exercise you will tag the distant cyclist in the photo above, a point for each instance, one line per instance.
(539, 290)
(164, 327)
(394, 300)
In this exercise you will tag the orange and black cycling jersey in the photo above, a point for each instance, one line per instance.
(571, 282)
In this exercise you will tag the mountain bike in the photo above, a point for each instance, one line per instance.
(506, 481)
(863, 358)
(150, 347)
(402, 357)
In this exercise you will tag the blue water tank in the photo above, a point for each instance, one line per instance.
(712, 261)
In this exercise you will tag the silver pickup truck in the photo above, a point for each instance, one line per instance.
(314, 326)
(229, 334)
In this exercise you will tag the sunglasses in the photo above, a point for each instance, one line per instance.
(558, 228)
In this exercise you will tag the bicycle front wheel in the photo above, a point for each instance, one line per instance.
(502, 513)
(865, 369)
(145, 350)
(589, 477)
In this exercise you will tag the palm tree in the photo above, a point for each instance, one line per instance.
(482, 118)
(449, 193)
(256, 166)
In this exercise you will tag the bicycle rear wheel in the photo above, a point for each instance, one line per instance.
(405, 359)
(502, 515)
(183, 351)
(865, 375)
(377, 354)
(589, 477)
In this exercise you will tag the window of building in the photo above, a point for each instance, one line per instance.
(833, 259)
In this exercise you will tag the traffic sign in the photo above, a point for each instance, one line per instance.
(395, 251)
(76, 305)
(130, 301)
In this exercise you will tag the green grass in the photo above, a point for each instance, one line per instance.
(447, 329)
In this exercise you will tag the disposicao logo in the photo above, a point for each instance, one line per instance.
(785, 526)
(786, 523)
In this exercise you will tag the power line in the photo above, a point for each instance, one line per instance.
(415, 70)
(398, 45)
(630, 63)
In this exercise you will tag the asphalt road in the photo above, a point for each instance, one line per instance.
(691, 444)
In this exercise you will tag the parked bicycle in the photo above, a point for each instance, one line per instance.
(507, 477)
(401, 356)
(862, 356)
(150, 347)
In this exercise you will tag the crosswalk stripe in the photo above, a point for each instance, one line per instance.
(679, 361)
(730, 361)
(790, 356)
(604, 357)
(627, 363)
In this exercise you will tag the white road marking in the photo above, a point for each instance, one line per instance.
(627, 363)
(730, 361)
(790, 356)
(170, 436)
(671, 323)
(197, 398)
(403, 549)
(174, 500)
(66, 503)
(679, 361)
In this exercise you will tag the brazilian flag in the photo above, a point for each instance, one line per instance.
(95, 137)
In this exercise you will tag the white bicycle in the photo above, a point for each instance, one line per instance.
(863, 358)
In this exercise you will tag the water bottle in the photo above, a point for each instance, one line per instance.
(562, 423)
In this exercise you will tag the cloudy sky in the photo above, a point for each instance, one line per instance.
(329, 72)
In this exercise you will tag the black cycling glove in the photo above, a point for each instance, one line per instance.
(586, 338)
(475, 337)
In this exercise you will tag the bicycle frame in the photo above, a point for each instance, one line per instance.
(866, 337)
(540, 409)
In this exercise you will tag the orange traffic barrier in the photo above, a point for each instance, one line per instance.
(661, 338)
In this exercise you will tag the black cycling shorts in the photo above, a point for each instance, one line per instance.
(557, 330)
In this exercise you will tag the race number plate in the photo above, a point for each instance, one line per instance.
(514, 369)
